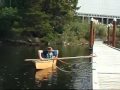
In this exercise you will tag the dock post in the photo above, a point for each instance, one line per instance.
(91, 34)
(108, 36)
(114, 32)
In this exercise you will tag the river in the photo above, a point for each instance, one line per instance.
(15, 73)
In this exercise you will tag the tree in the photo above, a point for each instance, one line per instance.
(7, 18)
(41, 18)
(48, 16)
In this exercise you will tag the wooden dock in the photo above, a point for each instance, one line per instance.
(105, 67)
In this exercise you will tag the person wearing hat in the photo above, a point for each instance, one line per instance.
(48, 54)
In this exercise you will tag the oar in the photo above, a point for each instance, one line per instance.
(37, 59)
(63, 58)
(77, 57)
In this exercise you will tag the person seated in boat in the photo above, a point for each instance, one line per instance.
(48, 54)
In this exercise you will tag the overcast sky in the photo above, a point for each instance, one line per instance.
(107, 7)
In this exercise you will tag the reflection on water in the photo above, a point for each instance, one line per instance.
(44, 75)
(80, 74)
(15, 73)
(82, 78)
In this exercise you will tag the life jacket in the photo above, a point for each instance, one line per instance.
(46, 54)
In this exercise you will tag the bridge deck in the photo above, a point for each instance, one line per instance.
(106, 67)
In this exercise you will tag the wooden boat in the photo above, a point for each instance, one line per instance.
(43, 64)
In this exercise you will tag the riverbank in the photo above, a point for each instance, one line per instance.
(21, 42)
(38, 42)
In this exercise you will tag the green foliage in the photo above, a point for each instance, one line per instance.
(46, 16)
(101, 31)
(74, 32)
(118, 33)
(46, 19)
(7, 18)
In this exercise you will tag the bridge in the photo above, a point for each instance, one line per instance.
(105, 66)
(104, 19)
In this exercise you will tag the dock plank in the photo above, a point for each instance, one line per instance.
(106, 67)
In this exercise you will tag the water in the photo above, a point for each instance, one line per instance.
(15, 73)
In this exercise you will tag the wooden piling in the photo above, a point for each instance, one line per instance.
(91, 34)
(108, 36)
(114, 33)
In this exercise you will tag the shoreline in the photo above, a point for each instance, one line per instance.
(31, 43)
(20, 42)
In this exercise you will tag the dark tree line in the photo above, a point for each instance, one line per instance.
(35, 18)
